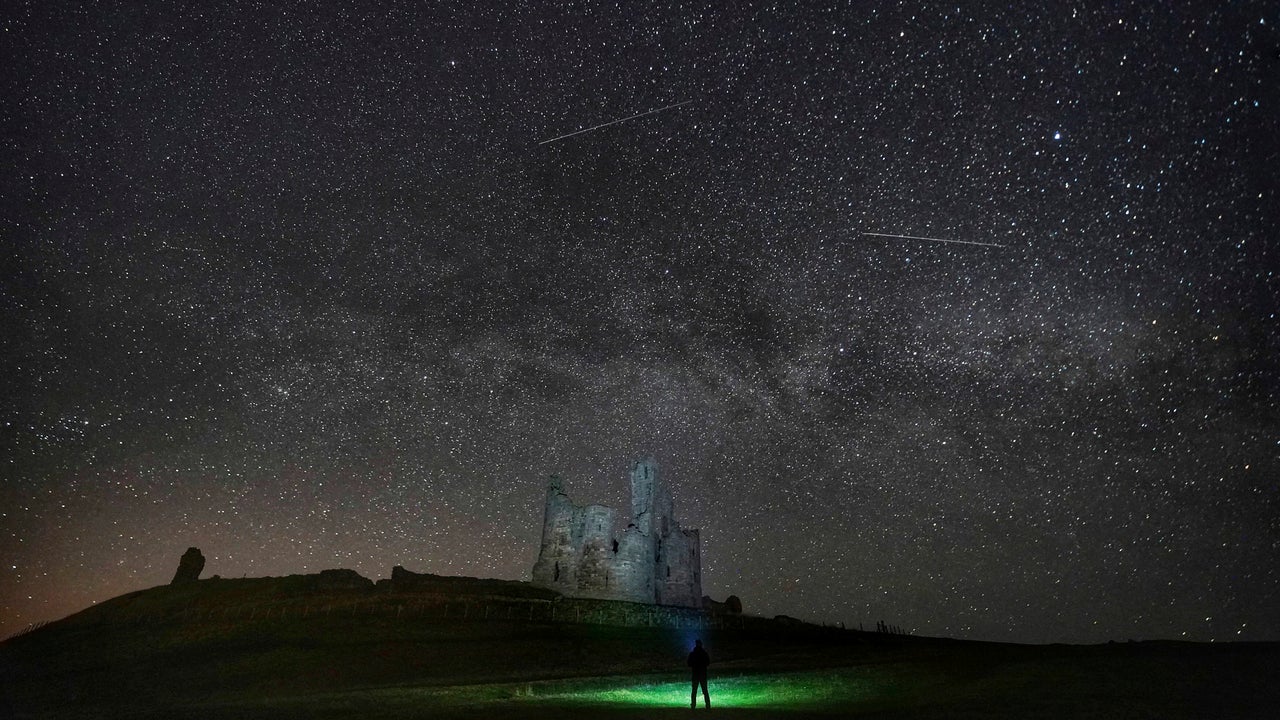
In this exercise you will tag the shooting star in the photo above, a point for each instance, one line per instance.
(167, 246)
(917, 237)
(615, 122)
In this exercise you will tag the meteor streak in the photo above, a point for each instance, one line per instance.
(917, 237)
(615, 122)
(167, 246)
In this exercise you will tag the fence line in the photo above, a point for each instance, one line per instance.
(426, 607)
(30, 628)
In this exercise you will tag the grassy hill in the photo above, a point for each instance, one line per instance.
(335, 645)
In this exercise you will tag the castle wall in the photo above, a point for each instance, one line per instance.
(586, 554)
(595, 572)
(634, 567)
(679, 572)
(643, 479)
(562, 532)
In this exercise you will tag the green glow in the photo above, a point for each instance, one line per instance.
(759, 691)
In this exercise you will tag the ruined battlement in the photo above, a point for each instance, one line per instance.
(586, 551)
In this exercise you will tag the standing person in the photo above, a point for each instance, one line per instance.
(698, 662)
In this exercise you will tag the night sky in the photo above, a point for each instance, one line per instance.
(305, 288)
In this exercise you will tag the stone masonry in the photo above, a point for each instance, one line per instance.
(587, 553)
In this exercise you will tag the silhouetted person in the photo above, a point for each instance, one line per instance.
(698, 662)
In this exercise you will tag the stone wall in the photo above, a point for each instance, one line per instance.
(586, 553)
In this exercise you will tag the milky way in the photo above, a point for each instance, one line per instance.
(301, 288)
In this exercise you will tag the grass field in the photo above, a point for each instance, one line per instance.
(381, 663)
(1165, 681)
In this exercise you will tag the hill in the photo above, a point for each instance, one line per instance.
(338, 645)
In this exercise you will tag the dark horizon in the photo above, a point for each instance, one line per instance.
(880, 626)
(963, 319)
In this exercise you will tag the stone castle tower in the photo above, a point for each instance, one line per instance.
(585, 553)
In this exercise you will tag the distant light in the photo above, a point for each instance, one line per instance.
(1057, 136)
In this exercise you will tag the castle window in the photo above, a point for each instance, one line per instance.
(615, 547)
(557, 577)
(668, 571)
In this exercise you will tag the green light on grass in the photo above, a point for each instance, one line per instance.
(758, 691)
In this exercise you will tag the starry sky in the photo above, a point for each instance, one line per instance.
(303, 286)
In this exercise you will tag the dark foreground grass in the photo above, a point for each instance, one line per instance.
(376, 662)
(963, 681)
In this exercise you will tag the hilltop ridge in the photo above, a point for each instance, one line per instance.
(335, 644)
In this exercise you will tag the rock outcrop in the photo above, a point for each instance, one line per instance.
(189, 567)
(732, 605)
(341, 579)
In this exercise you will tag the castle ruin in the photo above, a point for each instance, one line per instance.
(586, 553)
